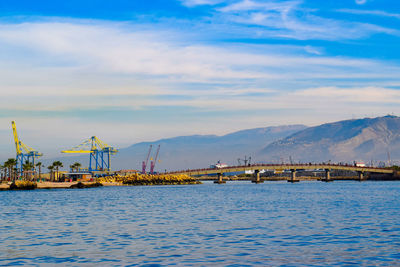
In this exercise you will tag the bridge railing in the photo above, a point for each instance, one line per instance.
(282, 165)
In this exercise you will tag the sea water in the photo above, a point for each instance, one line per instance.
(235, 224)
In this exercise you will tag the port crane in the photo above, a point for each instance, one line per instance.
(144, 163)
(153, 163)
(24, 152)
(99, 153)
(246, 161)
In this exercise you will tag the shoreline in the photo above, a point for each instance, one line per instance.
(6, 186)
(45, 185)
(74, 185)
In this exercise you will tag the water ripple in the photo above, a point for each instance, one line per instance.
(237, 224)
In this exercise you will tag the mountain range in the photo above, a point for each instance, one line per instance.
(368, 139)
(200, 151)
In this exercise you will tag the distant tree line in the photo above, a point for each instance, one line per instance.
(9, 172)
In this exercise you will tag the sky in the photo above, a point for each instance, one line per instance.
(130, 71)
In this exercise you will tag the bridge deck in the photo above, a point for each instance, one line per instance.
(281, 167)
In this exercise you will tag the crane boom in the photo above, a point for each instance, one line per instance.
(153, 163)
(16, 140)
(158, 150)
(144, 163)
(90, 146)
(99, 153)
(76, 151)
(148, 154)
(24, 153)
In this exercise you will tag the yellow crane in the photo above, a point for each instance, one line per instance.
(24, 152)
(99, 153)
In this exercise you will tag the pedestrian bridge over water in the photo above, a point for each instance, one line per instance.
(281, 167)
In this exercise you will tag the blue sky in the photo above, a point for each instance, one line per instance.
(130, 71)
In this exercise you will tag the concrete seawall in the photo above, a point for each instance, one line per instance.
(47, 185)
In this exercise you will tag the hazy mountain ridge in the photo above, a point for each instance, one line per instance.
(195, 151)
(199, 151)
(344, 141)
(360, 139)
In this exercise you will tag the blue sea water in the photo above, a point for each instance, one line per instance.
(236, 224)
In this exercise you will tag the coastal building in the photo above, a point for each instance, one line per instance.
(77, 176)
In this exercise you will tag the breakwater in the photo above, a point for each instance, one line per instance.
(147, 179)
(29, 185)
(115, 180)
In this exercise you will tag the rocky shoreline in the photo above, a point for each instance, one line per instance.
(131, 180)
(27, 185)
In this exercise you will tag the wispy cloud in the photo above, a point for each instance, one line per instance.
(117, 59)
(251, 5)
(291, 20)
(370, 12)
(74, 76)
(191, 3)
(51, 47)
(353, 95)
(361, 2)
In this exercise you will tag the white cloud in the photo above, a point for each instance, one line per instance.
(79, 59)
(361, 2)
(191, 3)
(289, 19)
(104, 58)
(250, 5)
(313, 50)
(353, 95)
(310, 106)
(370, 12)
(108, 48)
(60, 79)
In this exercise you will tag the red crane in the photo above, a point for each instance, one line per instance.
(144, 163)
(153, 163)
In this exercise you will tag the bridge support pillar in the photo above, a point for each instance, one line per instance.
(219, 181)
(257, 179)
(293, 177)
(327, 176)
(361, 176)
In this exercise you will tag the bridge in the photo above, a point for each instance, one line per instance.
(294, 168)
